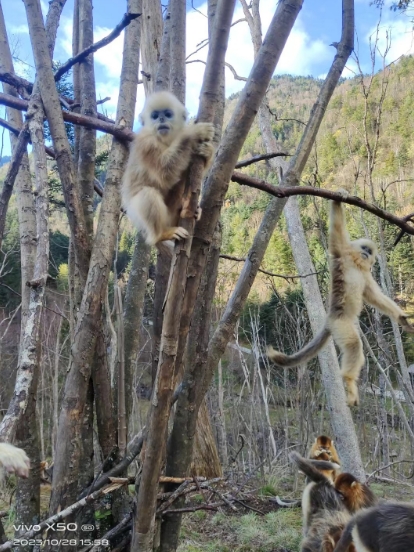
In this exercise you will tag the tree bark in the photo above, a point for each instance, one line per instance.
(166, 376)
(51, 103)
(151, 42)
(69, 444)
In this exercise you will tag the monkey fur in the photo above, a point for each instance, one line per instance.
(160, 154)
(319, 495)
(351, 284)
(388, 527)
(355, 495)
(324, 449)
(325, 532)
(14, 460)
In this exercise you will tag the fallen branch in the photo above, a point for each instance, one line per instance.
(126, 20)
(56, 518)
(288, 191)
(213, 506)
(262, 157)
(134, 448)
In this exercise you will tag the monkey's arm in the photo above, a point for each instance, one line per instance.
(373, 296)
(175, 159)
(338, 234)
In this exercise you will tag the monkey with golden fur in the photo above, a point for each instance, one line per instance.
(324, 449)
(351, 284)
(319, 495)
(388, 527)
(327, 507)
(355, 495)
(159, 157)
(14, 460)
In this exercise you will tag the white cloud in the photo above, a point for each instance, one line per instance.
(298, 57)
(393, 33)
(18, 29)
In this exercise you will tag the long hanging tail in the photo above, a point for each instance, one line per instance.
(312, 468)
(307, 353)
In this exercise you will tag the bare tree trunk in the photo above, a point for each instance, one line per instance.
(69, 444)
(28, 495)
(133, 314)
(151, 42)
(51, 103)
(166, 375)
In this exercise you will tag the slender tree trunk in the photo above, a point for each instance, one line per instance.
(167, 369)
(69, 444)
(51, 103)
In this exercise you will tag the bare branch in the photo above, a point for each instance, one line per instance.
(284, 276)
(90, 122)
(288, 191)
(126, 20)
(262, 157)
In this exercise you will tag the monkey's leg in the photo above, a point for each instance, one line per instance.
(148, 211)
(347, 337)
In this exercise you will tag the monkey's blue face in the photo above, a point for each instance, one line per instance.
(162, 119)
(367, 249)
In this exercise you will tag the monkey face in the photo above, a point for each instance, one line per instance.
(164, 115)
(366, 249)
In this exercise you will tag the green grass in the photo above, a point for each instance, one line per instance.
(278, 530)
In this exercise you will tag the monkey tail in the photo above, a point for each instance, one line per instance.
(346, 537)
(311, 468)
(306, 353)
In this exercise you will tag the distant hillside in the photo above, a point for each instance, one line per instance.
(352, 152)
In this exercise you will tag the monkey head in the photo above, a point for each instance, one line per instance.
(164, 116)
(366, 249)
(356, 495)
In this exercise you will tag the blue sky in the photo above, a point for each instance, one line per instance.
(307, 51)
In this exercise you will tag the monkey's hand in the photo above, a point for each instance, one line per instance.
(203, 132)
(206, 150)
(343, 193)
(14, 460)
(406, 326)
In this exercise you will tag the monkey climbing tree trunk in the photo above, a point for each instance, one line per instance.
(197, 376)
(167, 368)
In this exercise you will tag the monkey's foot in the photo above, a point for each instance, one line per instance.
(406, 326)
(205, 149)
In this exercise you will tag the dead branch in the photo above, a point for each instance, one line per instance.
(262, 157)
(126, 20)
(13, 169)
(174, 495)
(288, 191)
(25, 88)
(16, 131)
(89, 122)
(134, 448)
(213, 506)
(286, 277)
(58, 517)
